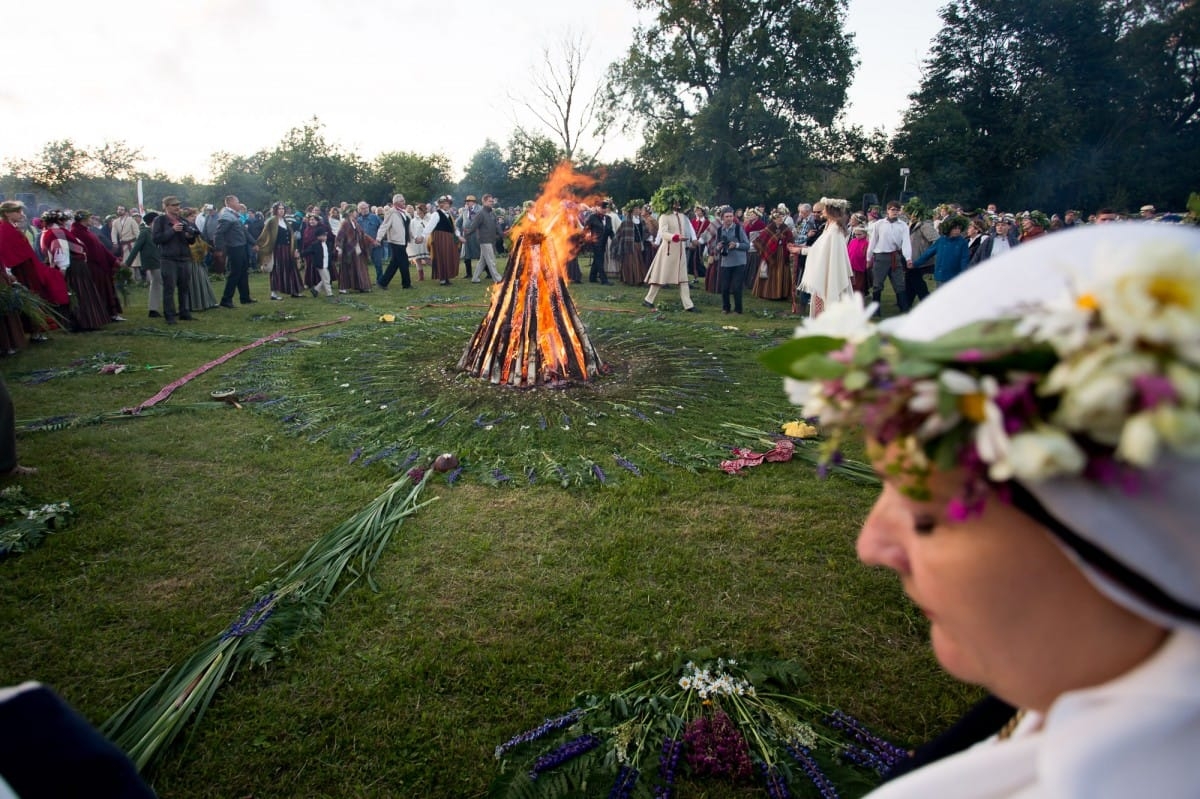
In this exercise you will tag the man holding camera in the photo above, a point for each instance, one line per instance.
(174, 236)
(735, 246)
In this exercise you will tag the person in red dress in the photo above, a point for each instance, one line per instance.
(103, 264)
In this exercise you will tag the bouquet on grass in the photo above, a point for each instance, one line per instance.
(285, 608)
(701, 717)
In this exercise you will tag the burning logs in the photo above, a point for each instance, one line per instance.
(532, 335)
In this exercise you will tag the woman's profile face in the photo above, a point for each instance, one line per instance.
(1007, 608)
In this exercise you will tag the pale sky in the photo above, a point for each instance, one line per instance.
(184, 80)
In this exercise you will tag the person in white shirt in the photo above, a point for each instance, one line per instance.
(888, 255)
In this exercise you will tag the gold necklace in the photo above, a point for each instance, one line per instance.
(1011, 725)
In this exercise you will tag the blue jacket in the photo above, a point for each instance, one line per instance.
(952, 256)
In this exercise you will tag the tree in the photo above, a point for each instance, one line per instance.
(58, 170)
(737, 93)
(560, 101)
(241, 176)
(304, 168)
(115, 160)
(531, 159)
(417, 177)
(1066, 103)
(486, 172)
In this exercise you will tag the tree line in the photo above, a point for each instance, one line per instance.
(1062, 103)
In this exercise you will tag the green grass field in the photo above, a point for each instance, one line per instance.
(497, 603)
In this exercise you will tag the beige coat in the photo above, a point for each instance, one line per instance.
(669, 267)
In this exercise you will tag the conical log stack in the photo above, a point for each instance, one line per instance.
(532, 335)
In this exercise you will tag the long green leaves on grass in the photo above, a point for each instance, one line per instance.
(283, 610)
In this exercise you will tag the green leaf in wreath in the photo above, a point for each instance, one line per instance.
(856, 380)
(982, 340)
(782, 358)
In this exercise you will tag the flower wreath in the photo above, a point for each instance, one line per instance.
(1097, 384)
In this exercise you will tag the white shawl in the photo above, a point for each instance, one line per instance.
(1138, 735)
(827, 269)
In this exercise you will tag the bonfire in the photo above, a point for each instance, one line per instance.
(532, 335)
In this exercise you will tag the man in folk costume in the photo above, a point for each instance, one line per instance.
(124, 234)
(600, 231)
(486, 229)
(470, 243)
(394, 232)
(669, 267)
(888, 254)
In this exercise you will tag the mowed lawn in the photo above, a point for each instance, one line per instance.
(496, 605)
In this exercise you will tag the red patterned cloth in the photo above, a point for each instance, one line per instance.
(745, 458)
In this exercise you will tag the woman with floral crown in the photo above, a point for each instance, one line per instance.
(1036, 425)
(827, 273)
(66, 253)
(774, 275)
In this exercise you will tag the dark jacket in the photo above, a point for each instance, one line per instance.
(173, 245)
(144, 246)
(599, 228)
(230, 231)
(484, 223)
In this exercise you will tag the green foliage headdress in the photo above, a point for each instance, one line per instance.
(666, 197)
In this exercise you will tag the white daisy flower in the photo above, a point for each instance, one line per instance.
(1159, 304)
(1039, 454)
(845, 319)
(976, 404)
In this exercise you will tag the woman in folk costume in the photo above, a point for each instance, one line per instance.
(703, 228)
(754, 225)
(276, 239)
(443, 241)
(827, 273)
(15, 248)
(201, 296)
(102, 262)
(18, 257)
(669, 267)
(418, 249)
(1036, 427)
(713, 254)
(651, 223)
(627, 245)
(354, 250)
(314, 225)
(774, 272)
(67, 254)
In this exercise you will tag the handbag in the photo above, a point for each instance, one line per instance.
(764, 270)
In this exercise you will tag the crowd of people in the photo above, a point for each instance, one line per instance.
(810, 257)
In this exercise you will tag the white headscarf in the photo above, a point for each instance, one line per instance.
(1152, 538)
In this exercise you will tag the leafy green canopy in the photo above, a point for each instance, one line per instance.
(1065, 103)
(738, 96)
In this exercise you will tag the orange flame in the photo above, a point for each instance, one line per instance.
(544, 339)
(554, 217)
